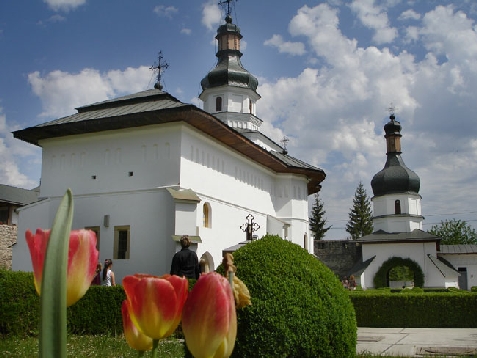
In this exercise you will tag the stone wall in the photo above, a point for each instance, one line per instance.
(338, 255)
(8, 236)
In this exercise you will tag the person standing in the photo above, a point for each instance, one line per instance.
(185, 262)
(108, 274)
(97, 278)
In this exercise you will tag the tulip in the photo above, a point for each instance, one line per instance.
(136, 339)
(155, 303)
(209, 321)
(82, 260)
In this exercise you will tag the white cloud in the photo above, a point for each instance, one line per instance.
(376, 18)
(61, 92)
(165, 11)
(409, 15)
(12, 152)
(211, 14)
(292, 48)
(64, 5)
(336, 112)
(186, 31)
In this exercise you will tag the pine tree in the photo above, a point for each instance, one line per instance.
(360, 217)
(317, 219)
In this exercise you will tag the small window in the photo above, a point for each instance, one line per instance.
(397, 207)
(4, 216)
(121, 242)
(218, 104)
(206, 215)
(250, 106)
(96, 230)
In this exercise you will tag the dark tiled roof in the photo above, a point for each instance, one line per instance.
(359, 267)
(385, 237)
(156, 107)
(458, 249)
(443, 268)
(17, 196)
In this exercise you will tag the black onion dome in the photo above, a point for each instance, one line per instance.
(393, 126)
(229, 71)
(395, 177)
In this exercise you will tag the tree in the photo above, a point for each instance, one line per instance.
(455, 232)
(317, 219)
(360, 217)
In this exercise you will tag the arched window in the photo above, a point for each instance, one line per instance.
(218, 104)
(250, 106)
(206, 215)
(397, 207)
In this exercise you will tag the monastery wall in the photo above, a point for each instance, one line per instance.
(8, 236)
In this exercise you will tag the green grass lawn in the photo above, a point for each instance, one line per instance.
(95, 346)
(87, 346)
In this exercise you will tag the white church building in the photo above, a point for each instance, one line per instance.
(398, 233)
(146, 169)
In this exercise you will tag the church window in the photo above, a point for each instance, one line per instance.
(96, 230)
(121, 242)
(4, 216)
(206, 215)
(218, 104)
(250, 106)
(397, 207)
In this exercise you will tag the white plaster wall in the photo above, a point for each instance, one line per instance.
(151, 153)
(149, 214)
(415, 251)
(384, 205)
(234, 99)
(222, 175)
(469, 261)
(38, 215)
(397, 224)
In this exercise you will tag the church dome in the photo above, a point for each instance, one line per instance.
(229, 70)
(395, 177)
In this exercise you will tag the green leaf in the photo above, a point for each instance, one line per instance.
(53, 286)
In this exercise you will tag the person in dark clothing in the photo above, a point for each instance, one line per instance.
(185, 262)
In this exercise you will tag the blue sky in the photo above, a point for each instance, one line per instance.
(327, 72)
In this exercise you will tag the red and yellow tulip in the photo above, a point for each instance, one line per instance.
(155, 303)
(82, 260)
(209, 320)
(135, 339)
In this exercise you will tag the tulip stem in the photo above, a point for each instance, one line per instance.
(155, 343)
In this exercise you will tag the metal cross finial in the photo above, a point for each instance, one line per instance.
(229, 6)
(159, 67)
(249, 227)
(284, 142)
(392, 109)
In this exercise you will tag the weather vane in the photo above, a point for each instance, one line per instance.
(229, 5)
(159, 67)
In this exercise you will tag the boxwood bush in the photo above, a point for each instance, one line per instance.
(299, 308)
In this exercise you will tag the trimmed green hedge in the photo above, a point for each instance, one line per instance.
(299, 308)
(97, 312)
(411, 309)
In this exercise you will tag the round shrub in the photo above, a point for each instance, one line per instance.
(299, 308)
(381, 276)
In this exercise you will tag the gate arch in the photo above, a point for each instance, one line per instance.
(381, 276)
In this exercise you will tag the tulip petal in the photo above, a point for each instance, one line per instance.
(156, 302)
(82, 261)
(209, 319)
(37, 245)
(135, 338)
